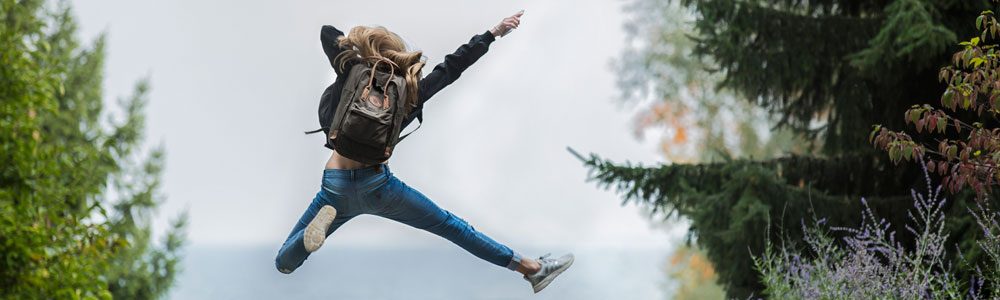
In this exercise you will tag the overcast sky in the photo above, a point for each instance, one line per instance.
(235, 83)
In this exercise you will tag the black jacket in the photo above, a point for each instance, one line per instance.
(442, 75)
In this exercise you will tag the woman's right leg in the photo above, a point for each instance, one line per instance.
(406, 205)
(293, 252)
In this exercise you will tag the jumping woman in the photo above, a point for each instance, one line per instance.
(351, 187)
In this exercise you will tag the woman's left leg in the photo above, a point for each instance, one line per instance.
(293, 252)
(404, 204)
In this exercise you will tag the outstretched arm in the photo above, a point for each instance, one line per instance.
(454, 64)
(328, 37)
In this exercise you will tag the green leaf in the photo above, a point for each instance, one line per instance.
(976, 61)
(942, 124)
(914, 115)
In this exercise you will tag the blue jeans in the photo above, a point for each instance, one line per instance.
(374, 190)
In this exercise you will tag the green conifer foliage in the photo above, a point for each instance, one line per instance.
(76, 189)
(826, 70)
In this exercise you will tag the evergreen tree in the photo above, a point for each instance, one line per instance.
(76, 192)
(827, 71)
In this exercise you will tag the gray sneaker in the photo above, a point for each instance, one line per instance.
(550, 269)
(316, 230)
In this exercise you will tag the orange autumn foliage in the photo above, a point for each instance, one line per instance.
(694, 274)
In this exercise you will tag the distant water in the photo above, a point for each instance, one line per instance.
(445, 273)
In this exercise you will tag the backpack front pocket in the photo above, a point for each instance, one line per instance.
(368, 127)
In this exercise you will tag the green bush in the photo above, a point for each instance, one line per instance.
(76, 192)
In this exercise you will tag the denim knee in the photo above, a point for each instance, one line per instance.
(451, 226)
(283, 268)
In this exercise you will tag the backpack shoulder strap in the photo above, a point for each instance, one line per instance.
(420, 119)
(411, 132)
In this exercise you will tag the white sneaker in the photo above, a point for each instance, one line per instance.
(316, 230)
(550, 269)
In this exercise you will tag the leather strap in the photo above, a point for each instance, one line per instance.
(371, 79)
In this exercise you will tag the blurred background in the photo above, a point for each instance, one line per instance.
(235, 83)
(154, 149)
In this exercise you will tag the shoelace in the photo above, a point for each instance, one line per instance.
(545, 261)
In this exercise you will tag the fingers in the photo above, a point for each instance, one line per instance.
(512, 22)
(508, 24)
(515, 19)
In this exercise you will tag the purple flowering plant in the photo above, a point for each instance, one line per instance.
(869, 262)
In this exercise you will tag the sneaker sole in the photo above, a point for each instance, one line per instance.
(316, 230)
(545, 282)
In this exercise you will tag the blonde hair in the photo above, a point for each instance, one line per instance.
(377, 42)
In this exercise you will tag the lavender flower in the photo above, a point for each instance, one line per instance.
(871, 264)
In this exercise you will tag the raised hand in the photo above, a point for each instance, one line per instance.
(507, 25)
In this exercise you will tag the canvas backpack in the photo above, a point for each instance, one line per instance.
(366, 123)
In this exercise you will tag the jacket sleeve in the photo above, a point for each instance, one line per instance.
(328, 37)
(448, 71)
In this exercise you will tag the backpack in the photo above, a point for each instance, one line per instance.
(366, 123)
